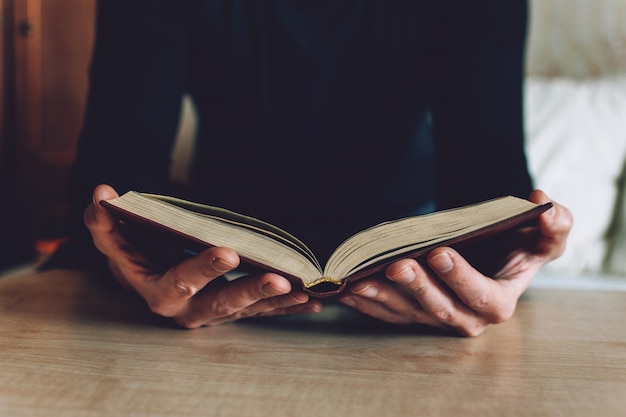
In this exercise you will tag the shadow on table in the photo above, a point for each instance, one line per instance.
(340, 319)
(84, 298)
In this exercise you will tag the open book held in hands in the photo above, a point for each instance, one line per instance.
(164, 220)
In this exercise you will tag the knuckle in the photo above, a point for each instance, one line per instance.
(89, 217)
(502, 315)
(472, 331)
(188, 322)
(480, 302)
(381, 295)
(158, 306)
(418, 287)
(220, 308)
(567, 220)
(443, 314)
(283, 301)
(183, 287)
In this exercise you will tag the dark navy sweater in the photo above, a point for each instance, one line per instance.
(322, 116)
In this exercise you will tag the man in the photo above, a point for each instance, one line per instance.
(380, 109)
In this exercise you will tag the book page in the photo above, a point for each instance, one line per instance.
(276, 253)
(394, 238)
(242, 220)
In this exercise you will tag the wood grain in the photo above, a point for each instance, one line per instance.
(72, 346)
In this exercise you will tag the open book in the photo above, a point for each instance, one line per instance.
(195, 226)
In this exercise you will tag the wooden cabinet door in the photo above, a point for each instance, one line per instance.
(52, 51)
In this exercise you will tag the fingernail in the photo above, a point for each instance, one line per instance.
(221, 266)
(348, 301)
(368, 291)
(270, 290)
(298, 297)
(442, 262)
(405, 276)
(313, 308)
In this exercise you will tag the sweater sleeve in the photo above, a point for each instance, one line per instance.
(137, 79)
(477, 100)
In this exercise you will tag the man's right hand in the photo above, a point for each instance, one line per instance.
(190, 292)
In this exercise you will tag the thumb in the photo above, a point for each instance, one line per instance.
(96, 218)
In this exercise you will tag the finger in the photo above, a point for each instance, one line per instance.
(494, 300)
(386, 301)
(441, 302)
(276, 306)
(123, 261)
(369, 306)
(101, 223)
(170, 293)
(95, 217)
(554, 226)
(244, 297)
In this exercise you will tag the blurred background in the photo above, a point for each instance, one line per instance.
(575, 122)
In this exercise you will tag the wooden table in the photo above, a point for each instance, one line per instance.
(69, 346)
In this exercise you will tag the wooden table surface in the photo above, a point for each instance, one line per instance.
(69, 346)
